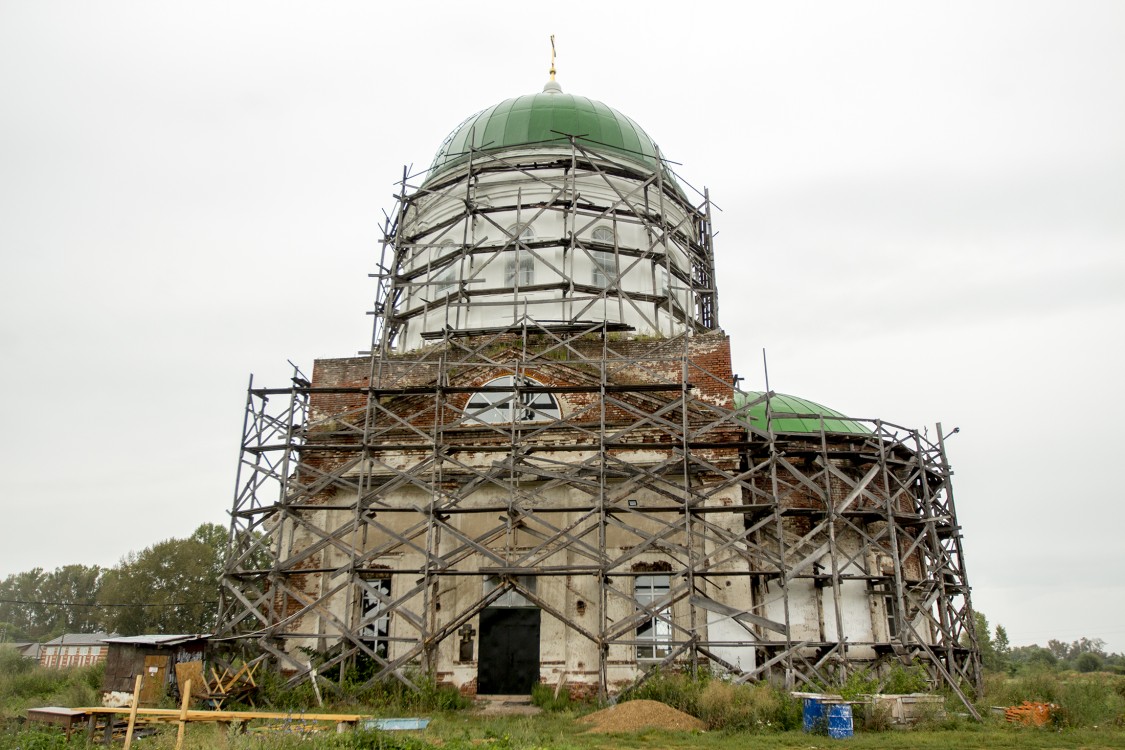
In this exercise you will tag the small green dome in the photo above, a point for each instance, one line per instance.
(782, 406)
(546, 119)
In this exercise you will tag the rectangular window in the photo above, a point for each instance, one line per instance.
(511, 597)
(603, 268)
(654, 636)
(444, 282)
(892, 618)
(521, 268)
(375, 626)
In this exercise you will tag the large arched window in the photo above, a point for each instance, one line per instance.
(519, 270)
(506, 406)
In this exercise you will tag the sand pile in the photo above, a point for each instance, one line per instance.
(634, 715)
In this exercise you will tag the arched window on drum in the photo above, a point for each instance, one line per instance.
(504, 403)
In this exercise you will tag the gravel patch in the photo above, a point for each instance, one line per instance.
(632, 716)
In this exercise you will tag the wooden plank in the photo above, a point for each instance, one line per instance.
(133, 712)
(186, 693)
(173, 714)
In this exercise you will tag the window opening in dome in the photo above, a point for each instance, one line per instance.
(604, 265)
(521, 266)
(445, 281)
(521, 232)
(501, 407)
(654, 636)
(525, 275)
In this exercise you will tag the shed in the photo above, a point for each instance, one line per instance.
(74, 650)
(157, 658)
(27, 649)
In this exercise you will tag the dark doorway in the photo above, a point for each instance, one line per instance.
(508, 660)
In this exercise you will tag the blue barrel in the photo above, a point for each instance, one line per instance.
(840, 721)
(814, 715)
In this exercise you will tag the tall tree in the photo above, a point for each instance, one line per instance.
(984, 640)
(19, 603)
(40, 605)
(73, 593)
(170, 587)
(1002, 649)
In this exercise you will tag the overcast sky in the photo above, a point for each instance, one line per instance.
(923, 220)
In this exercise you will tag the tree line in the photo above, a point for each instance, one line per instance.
(1082, 655)
(170, 587)
(173, 587)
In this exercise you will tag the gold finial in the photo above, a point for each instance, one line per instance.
(552, 57)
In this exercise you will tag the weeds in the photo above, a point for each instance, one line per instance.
(1081, 701)
(390, 696)
(1085, 702)
(875, 717)
(722, 704)
(676, 689)
(897, 681)
(758, 707)
(24, 684)
(544, 696)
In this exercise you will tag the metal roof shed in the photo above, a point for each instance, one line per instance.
(155, 657)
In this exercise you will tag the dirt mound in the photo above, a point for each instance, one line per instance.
(634, 715)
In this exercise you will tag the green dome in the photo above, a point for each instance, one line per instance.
(781, 406)
(545, 119)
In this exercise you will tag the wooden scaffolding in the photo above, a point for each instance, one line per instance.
(377, 474)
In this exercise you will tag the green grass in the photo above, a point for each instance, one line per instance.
(1091, 715)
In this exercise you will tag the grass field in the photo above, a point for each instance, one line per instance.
(464, 730)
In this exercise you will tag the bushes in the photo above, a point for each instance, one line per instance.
(24, 684)
(904, 680)
(676, 689)
(12, 662)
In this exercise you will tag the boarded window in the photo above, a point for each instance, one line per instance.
(375, 626)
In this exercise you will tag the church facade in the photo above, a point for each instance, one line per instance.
(544, 473)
